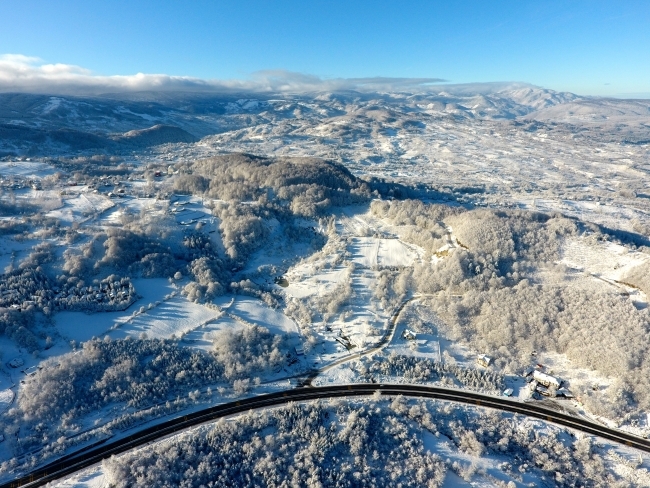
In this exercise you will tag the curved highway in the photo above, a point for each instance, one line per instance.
(96, 453)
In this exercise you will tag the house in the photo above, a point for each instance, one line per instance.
(542, 390)
(32, 370)
(484, 360)
(528, 371)
(409, 335)
(16, 362)
(547, 380)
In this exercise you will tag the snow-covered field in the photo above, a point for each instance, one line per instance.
(13, 250)
(162, 312)
(6, 392)
(372, 252)
(609, 263)
(70, 206)
(80, 326)
(28, 169)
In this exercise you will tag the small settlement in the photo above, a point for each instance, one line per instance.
(542, 382)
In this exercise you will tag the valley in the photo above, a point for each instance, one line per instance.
(163, 255)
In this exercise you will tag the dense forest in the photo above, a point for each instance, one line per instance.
(412, 369)
(375, 443)
(133, 374)
(308, 186)
(502, 290)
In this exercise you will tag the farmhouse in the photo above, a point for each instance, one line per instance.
(565, 393)
(484, 360)
(409, 335)
(547, 380)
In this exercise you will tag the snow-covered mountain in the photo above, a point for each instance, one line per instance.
(40, 124)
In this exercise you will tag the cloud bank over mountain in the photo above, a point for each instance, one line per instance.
(19, 73)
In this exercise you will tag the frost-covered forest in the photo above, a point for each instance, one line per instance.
(413, 369)
(498, 281)
(504, 289)
(376, 444)
(308, 186)
(137, 373)
(154, 245)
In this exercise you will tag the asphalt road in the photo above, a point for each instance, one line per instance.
(96, 453)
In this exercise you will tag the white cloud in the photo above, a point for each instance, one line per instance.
(19, 73)
(19, 58)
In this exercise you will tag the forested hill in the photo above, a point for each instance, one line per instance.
(309, 185)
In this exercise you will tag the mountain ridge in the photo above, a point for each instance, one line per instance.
(45, 121)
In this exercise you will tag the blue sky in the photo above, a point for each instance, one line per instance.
(588, 47)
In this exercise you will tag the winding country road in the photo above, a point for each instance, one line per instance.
(383, 342)
(96, 453)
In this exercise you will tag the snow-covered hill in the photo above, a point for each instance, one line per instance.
(201, 115)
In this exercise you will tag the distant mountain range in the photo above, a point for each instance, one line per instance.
(42, 124)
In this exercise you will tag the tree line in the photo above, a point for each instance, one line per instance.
(132, 373)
